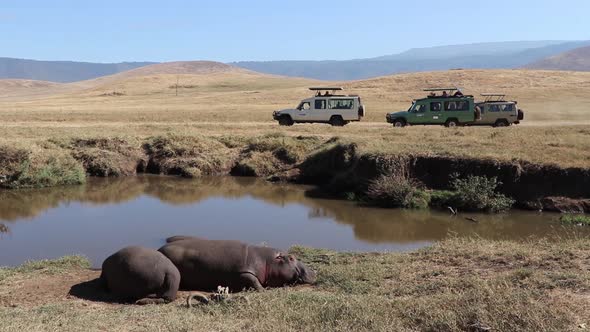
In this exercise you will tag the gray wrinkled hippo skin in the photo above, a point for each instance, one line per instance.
(205, 264)
(140, 274)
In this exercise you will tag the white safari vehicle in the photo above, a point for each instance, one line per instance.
(324, 107)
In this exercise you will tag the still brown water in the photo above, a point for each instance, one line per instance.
(105, 215)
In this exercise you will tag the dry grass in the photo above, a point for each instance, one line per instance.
(239, 103)
(457, 285)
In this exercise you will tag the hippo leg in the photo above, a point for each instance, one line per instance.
(166, 294)
(170, 287)
(248, 280)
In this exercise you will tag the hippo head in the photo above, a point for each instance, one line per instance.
(287, 270)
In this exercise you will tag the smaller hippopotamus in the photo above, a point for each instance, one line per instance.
(141, 275)
(206, 264)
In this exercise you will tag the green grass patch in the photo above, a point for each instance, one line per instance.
(39, 167)
(575, 219)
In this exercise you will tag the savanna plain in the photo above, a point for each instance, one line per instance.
(203, 118)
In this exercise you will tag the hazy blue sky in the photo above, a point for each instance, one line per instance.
(225, 30)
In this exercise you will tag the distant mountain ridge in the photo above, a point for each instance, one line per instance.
(576, 60)
(61, 71)
(503, 55)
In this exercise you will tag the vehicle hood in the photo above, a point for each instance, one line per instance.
(398, 114)
(285, 111)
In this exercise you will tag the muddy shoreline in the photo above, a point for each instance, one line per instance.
(336, 166)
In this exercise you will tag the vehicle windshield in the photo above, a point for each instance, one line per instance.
(412, 107)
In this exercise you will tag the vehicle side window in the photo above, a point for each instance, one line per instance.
(341, 104)
(458, 105)
(508, 108)
(420, 108)
(304, 106)
(320, 104)
(435, 107)
(494, 108)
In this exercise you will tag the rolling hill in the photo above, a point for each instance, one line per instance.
(61, 71)
(574, 60)
(216, 92)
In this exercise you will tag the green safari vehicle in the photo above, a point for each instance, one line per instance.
(450, 108)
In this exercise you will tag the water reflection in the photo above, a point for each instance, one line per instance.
(105, 214)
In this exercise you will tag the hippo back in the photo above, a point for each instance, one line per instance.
(206, 264)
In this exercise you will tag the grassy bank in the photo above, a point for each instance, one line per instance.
(456, 285)
(342, 166)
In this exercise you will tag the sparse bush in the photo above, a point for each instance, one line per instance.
(478, 193)
(394, 190)
(108, 156)
(260, 164)
(188, 156)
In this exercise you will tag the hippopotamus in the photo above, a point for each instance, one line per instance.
(140, 274)
(206, 264)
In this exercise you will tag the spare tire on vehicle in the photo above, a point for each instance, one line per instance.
(477, 113)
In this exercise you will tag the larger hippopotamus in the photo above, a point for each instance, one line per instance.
(206, 264)
(140, 274)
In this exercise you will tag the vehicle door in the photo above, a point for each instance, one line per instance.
(460, 109)
(493, 113)
(509, 112)
(419, 113)
(319, 111)
(304, 111)
(435, 114)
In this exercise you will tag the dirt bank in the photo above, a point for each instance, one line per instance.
(339, 167)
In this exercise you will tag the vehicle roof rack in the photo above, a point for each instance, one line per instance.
(326, 88)
(494, 96)
(440, 89)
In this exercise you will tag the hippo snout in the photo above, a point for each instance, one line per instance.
(306, 275)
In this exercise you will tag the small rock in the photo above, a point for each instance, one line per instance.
(582, 326)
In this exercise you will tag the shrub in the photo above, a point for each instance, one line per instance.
(478, 193)
(394, 190)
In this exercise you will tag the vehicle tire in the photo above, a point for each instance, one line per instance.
(451, 123)
(337, 121)
(361, 111)
(399, 123)
(286, 121)
(501, 123)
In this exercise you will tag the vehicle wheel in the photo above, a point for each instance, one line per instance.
(399, 123)
(286, 121)
(501, 123)
(452, 123)
(337, 121)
